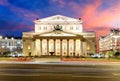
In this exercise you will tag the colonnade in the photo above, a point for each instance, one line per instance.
(59, 47)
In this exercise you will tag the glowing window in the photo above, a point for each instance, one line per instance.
(71, 28)
(77, 28)
(39, 28)
(45, 28)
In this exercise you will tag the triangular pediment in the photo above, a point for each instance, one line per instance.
(57, 33)
(58, 18)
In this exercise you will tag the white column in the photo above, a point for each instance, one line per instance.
(51, 45)
(78, 48)
(37, 47)
(57, 47)
(71, 47)
(32, 47)
(44, 46)
(64, 47)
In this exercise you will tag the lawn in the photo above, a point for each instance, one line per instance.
(6, 58)
(14, 59)
(62, 59)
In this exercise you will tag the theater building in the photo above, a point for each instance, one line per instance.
(60, 36)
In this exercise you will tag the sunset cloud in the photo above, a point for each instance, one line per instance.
(97, 15)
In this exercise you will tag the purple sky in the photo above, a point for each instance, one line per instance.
(16, 16)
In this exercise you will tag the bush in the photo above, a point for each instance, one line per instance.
(117, 54)
(81, 56)
(67, 56)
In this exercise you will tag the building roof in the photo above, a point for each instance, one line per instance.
(58, 18)
(9, 37)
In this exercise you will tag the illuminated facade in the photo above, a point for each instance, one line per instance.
(110, 42)
(10, 44)
(60, 36)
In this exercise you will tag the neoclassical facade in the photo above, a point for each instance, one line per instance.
(60, 36)
(111, 42)
(10, 44)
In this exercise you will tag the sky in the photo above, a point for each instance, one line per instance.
(17, 16)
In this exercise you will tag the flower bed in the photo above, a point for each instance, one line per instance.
(23, 59)
(72, 59)
(91, 59)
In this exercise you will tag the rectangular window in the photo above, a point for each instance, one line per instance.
(71, 28)
(39, 28)
(76, 28)
(45, 28)
(65, 27)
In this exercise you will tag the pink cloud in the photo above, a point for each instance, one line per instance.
(21, 25)
(94, 18)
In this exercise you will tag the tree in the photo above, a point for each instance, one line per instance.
(5, 51)
(117, 54)
(111, 53)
